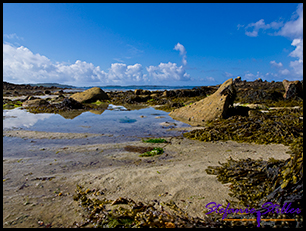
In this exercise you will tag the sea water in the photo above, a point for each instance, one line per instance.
(116, 120)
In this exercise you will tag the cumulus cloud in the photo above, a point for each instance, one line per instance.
(120, 72)
(168, 72)
(251, 77)
(297, 65)
(284, 72)
(293, 28)
(20, 65)
(181, 48)
(261, 25)
(275, 64)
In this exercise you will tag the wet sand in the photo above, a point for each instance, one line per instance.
(32, 184)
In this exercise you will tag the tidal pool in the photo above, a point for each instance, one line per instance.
(115, 120)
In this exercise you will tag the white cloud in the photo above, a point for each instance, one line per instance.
(251, 77)
(122, 73)
(181, 48)
(168, 72)
(261, 25)
(284, 72)
(297, 65)
(227, 74)
(239, 26)
(298, 52)
(12, 36)
(271, 74)
(20, 65)
(294, 27)
(275, 64)
(210, 79)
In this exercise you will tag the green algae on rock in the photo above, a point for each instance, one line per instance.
(157, 140)
(153, 152)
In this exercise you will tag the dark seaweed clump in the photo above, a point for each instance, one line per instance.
(255, 182)
(276, 126)
(126, 213)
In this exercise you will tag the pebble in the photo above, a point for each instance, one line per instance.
(40, 223)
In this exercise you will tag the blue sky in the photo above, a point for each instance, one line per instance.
(178, 44)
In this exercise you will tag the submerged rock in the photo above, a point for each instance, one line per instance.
(90, 95)
(209, 108)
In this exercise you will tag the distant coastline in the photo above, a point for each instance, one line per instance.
(114, 87)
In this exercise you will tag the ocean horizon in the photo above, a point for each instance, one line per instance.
(143, 87)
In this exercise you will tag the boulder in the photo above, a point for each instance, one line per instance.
(142, 92)
(237, 80)
(30, 97)
(60, 92)
(293, 89)
(71, 104)
(166, 93)
(154, 95)
(90, 95)
(209, 108)
(137, 98)
(34, 103)
(146, 92)
(138, 91)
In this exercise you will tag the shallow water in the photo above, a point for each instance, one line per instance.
(115, 120)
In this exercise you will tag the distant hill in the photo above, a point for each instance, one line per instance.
(52, 84)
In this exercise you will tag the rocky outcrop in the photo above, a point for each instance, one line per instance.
(142, 92)
(69, 103)
(293, 89)
(34, 103)
(238, 79)
(209, 108)
(90, 95)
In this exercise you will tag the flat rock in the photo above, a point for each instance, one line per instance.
(209, 108)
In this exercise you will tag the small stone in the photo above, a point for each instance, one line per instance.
(40, 223)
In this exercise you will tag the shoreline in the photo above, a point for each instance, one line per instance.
(42, 169)
(178, 174)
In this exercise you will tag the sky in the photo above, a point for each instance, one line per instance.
(175, 44)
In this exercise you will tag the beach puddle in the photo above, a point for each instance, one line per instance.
(115, 120)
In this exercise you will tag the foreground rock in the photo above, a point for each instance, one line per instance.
(90, 95)
(209, 108)
(293, 89)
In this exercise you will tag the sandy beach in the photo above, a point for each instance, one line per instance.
(35, 191)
